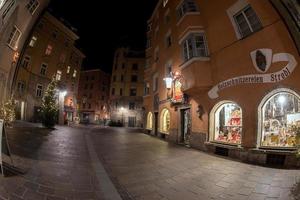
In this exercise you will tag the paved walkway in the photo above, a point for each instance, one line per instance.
(148, 168)
(56, 164)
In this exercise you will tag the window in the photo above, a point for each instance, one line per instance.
(39, 90)
(32, 5)
(167, 18)
(113, 91)
(149, 121)
(168, 40)
(155, 83)
(21, 87)
(122, 78)
(74, 73)
(133, 92)
(43, 69)
(14, 38)
(227, 123)
(114, 78)
(186, 7)
(121, 92)
(165, 2)
(33, 41)
(147, 88)
(134, 78)
(68, 69)
(168, 68)
(58, 75)
(48, 50)
(247, 21)
(194, 46)
(280, 119)
(135, 66)
(131, 106)
(165, 121)
(149, 27)
(26, 61)
(117, 104)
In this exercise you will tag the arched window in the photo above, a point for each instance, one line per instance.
(149, 121)
(279, 119)
(165, 121)
(226, 123)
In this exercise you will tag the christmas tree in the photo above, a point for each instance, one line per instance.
(7, 111)
(49, 108)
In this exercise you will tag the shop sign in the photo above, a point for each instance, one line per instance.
(178, 95)
(262, 60)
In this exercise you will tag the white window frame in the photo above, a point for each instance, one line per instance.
(74, 73)
(58, 75)
(32, 6)
(39, 90)
(33, 41)
(14, 38)
(68, 69)
(43, 65)
(26, 59)
(235, 9)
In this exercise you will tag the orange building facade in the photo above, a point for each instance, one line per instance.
(223, 76)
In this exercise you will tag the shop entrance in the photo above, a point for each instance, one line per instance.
(155, 123)
(185, 126)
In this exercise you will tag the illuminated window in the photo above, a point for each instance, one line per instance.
(14, 38)
(280, 119)
(58, 75)
(149, 121)
(33, 41)
(32, 5)
(43, 69)
(39, 90)
(226, 123)
(68, 69)
(74, 73)
(165, 121)
(48, 50)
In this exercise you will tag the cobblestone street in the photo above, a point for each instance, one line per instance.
(58, 165)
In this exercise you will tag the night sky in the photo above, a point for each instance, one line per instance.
(104, 26)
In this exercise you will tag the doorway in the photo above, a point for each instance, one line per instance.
(155, 123)
(185, 126)
(131, 121)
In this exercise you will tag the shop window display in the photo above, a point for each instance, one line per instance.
(165, 121)
(228, 124)
(149, 121)
(281, 120)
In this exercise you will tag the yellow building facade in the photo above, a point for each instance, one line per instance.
(223, 76)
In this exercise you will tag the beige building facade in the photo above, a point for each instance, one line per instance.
(93, 96)
(17, 19)
(126, 88)
(223, 76)
(50, 52)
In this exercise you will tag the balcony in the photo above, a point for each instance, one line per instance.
(197, 74)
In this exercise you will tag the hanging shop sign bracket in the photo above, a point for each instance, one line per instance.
(262, 60)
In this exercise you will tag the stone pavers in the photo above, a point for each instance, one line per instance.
(148, 168)
(56, 165)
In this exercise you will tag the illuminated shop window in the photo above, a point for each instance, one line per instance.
(165, 121)
(280, 123)
(228, 123)
(149, 121)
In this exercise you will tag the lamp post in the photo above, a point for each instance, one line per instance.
(61, 103)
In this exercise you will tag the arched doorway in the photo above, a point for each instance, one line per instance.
(149, 121)
(165, 121)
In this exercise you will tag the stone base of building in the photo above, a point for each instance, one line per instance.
(271, 158)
